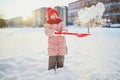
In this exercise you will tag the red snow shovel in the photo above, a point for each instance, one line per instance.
(75, 34)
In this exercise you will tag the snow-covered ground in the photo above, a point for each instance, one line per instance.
(23, 55)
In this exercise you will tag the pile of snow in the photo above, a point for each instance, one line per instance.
(92, 14)
(23, 55)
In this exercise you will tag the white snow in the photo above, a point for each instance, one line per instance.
(115, 25)
(23, 55)
(87, 14)
(91, 14)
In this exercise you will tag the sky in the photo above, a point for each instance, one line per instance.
(14, 8)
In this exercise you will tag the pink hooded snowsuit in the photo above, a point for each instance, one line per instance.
(56, 44)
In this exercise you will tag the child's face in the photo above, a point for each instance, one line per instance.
(54, 16)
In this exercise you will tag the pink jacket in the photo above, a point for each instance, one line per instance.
(56, 44)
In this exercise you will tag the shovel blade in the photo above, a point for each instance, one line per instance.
(83, 35)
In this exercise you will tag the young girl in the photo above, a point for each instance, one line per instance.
(56, 43)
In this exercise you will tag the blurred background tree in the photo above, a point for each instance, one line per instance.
(3, 22)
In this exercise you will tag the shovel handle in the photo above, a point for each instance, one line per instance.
(75, 34)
